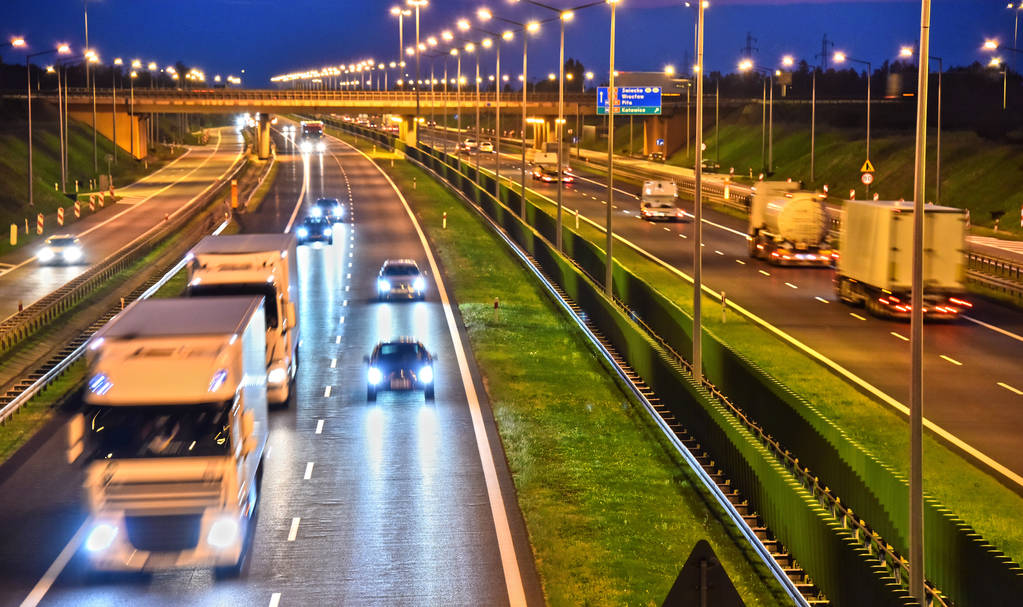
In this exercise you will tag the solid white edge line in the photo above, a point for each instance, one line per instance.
(992, 327)
(505, 543)
(301, 196)
(51, 575)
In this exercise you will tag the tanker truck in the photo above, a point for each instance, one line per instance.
(788, 226)
(875, 263)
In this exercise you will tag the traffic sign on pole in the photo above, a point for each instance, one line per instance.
(867, 178)
(867, 167)
(641, 100)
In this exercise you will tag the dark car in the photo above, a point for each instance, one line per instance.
(315, 229)
(331, 208)
(403, 364)
(401, 278)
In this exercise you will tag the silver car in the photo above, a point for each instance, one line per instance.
(61, 249)
(400, 278)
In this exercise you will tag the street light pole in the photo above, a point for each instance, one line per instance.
(611, 96)
(558, 125)
(839, 58)
(813, 123)
(417, 4)
(62, 49)
(525, 83)
(698, 206)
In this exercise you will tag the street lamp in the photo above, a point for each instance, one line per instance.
(400, 13)
(61, 49)
(992, 45)
(767, 124)
(1015, 28)
(698, 205)
(609, 240)
(908, 52)
(419, 48)
(841, 57)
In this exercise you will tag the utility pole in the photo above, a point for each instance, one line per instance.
(825, 45)
(748, 49)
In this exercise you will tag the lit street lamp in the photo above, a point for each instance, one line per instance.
(908, 51)
(419, 48)
(608, 258)
(698, 205)
(767, 126)
(400, 13)
(992, 45)
(841, 57)
(62, 49)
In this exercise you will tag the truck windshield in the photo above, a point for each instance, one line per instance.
(267, 290)
(158, 431)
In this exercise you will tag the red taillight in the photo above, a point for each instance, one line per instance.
(960, 302)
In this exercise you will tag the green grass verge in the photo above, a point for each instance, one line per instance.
(611, 510)
(257, 197)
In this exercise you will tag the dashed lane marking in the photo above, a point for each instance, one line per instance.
(764, 272)
(293, 532)
(308, 471)
(275, 599)
(739, 261)
(821, 299)
(1011, 389)
(333, 363)
(857, 316)
(899, 335)
(791, 286)
(326, 392)
(952, 360)
(319, 426)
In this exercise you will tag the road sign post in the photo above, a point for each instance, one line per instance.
(868, 174)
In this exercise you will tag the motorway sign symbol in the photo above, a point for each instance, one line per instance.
(867, 178)
(660, 143)
(633, 100)
(867, 167)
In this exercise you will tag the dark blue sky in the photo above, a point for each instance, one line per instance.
(266, 37)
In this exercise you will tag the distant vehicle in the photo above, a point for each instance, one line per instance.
(172, 432)
(487, 147)
(312, 137)
(401, 278)
(656, 156)
(403, 364)
(330, 208)
(256, 264)
(469, 144)
(61, 249)
(315, 228)
(875, 261)
(545, 169)
(788, 226)
(658, 200)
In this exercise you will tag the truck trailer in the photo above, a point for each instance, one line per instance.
(659, 200)
(875, 261)
(256, 264)
(789, 227)
(172, 433)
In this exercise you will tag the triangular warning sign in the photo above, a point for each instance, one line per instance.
(867, 167)
(703, 575)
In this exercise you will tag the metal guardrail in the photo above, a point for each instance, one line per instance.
(19, 326)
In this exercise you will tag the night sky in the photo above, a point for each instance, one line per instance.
(267, 37)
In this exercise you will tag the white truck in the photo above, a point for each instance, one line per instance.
(875, 261)
(789, 227)
(659, 200)
(172, 432)
(545, 168)
(256, 264)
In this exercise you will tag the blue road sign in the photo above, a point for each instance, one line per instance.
(660, 142)
(643, 100)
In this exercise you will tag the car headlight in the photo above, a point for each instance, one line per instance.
(383, 285)
(277, 375)
(72, 254)
(223, 533)
(374, 376)
(46, 254)
(426, 374)
(101, 537)
(419, 284)
(302, 232)
(315, 211)
(339, 211)
(326, 231)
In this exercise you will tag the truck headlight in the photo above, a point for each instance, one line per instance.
(45, 254)
(374, 376)
(426, 374)
(302, 232)
(419, 284)
(326, 231)
(72, 254)
(223, 533)
(277, 376)
(383, 285)
(101, 537)
(306, 147)
(321, 147)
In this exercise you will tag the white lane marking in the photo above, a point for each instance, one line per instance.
(343, 304)
(348, 287)
(51, 575)
(349, 275)
(764, 272)
(1011, 389)
(293, 532)
(333, 363)
(791, 286)
(666, 229)
(308, 471)
(319, 426)
(952, 360)
(719, 252)
(337, 339)
(899, 335)
(821, 299)
(275, 599)
(342, 322)
(505, 542)
(740, 262)
(326, 392)
(993, 328)
(683, 236)
(857, 316)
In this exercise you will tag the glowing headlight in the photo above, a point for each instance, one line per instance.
(46, 254)
(419, 284)
(277, 375)
(426, 374)
(100, 538)
(339, 211)
(374, 376)
(383, 285)
(223, 533)
(72, 254)
(315, 211)
(306, 146)
(302, 232)
(321, 147)
(326, 231)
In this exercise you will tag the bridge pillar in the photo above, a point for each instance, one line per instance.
(131, 130)
(672, 129)
(263, 136)
(407, 130)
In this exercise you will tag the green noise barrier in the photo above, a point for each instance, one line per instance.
(959, 561)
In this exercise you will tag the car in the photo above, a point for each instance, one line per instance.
(402, 364)
(315, 229)
(656, 156)
(400, 278)
(61, 249)
(469, 144)
(487, 147)
(331, 208)
(549, 174)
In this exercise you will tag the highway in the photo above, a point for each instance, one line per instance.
(394, 502)
(143, 205)
(973, 383)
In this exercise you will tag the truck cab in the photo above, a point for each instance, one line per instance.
(172, 434)
(263, 265)
(658, 201)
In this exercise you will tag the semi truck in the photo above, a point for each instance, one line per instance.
(256, 264)
(875, 259)
(545, 168)
(312, 136)
(789, 227)
(172, 434)
(659, 200)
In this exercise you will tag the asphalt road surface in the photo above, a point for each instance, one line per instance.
(383, 503)
(973, 382)
(143, 206)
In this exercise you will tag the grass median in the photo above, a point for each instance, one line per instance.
(612, 512)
